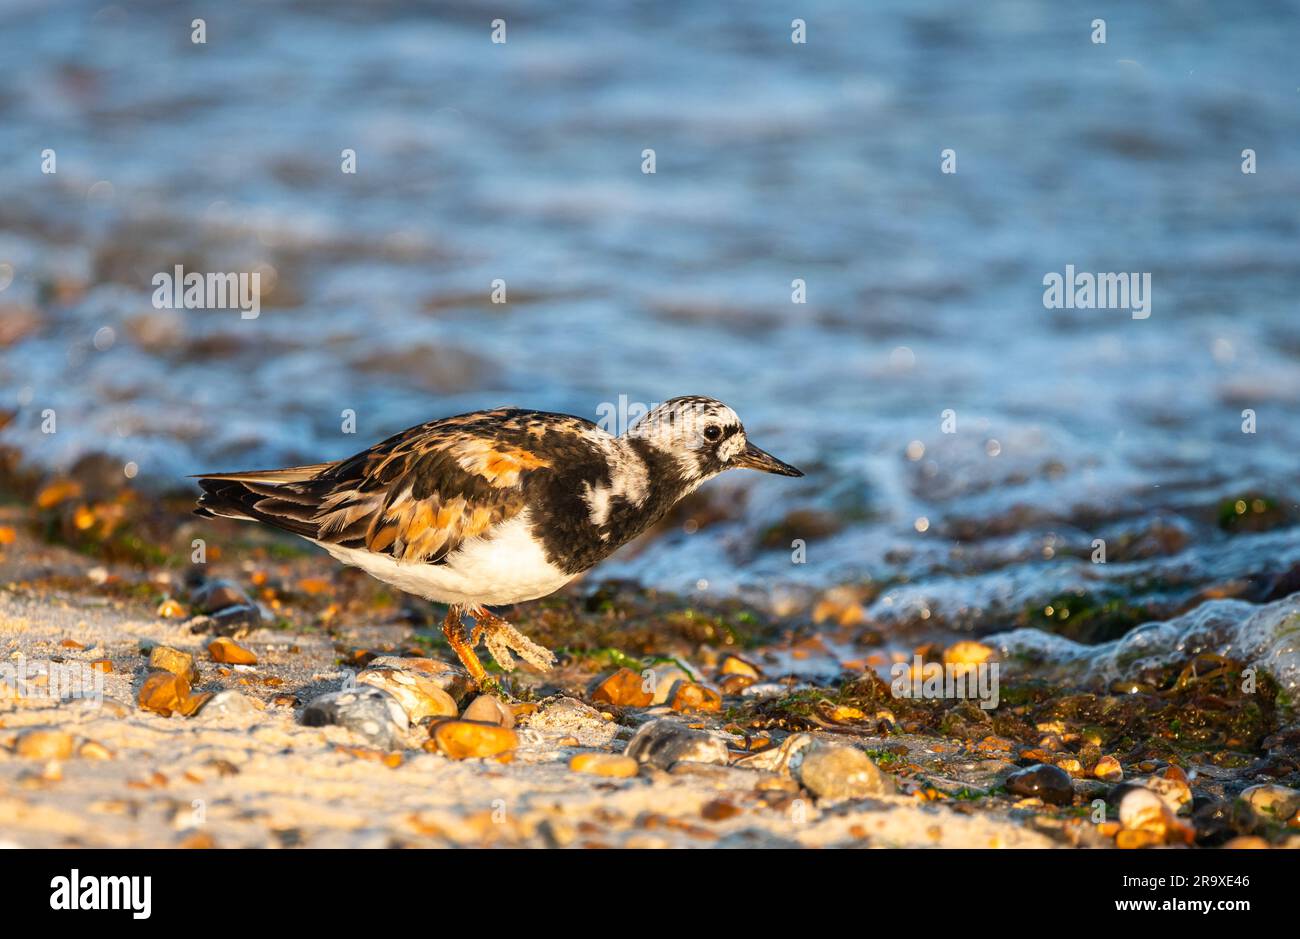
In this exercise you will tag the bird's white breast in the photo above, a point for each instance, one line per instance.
(508, 566)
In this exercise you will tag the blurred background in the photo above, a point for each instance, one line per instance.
(775, 161)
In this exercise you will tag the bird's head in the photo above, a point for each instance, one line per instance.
(706, 437)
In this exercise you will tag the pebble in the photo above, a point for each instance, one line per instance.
(604, 764)
(232, 621)
(217, 595)
(967, 653)
(661, 743)
(624, 688)
(170, 609)
(1145, 811)
(719, 810)
(1070, 765)
(45, 745)
(689, 696)
(734, 665)
(370, 712)
(226, 650)
(770, 689)
(569, 717)
(1172, 790)
(418, 694)
(1246, 841)
(175, 661)
(164, 692)
(229, 703)
(1133, 838)
(1049, 783)
(1125, 686)
(489, 709)
(450, 678)
(781, 759)
(838, 772)
(94, 750)
(844, 714)
(735, 684)
(1108, 769)
(665, 677)
(462, 740)
(773, 783)
(1271, 801)
(1139, 807)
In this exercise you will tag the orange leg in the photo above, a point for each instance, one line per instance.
(501, 639)
(454, 630)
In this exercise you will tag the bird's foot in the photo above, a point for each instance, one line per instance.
(463, 646)
(501, 639)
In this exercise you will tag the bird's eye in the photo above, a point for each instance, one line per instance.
(713, 433)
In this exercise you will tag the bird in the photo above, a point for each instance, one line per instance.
(494, 507)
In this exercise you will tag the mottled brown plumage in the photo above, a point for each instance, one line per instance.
(494, 506)
(417, 496)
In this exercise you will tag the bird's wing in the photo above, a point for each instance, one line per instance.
(415, 497)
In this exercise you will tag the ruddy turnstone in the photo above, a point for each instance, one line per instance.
(494, 507)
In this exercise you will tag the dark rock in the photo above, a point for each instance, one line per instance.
(232, 621)
(1049, 783)
(662, 743)
(834, 773)
(214, 595)
(374, 714)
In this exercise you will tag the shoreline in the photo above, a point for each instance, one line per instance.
(775, 732)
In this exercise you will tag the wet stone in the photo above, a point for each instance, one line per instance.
(1108, 769)
(1049, 783)
(836, 772)
(1272, 802)
(370, 712)
(1217, 820)
(489, 709)
(662, 743)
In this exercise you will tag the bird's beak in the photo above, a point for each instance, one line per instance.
(753, 458)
